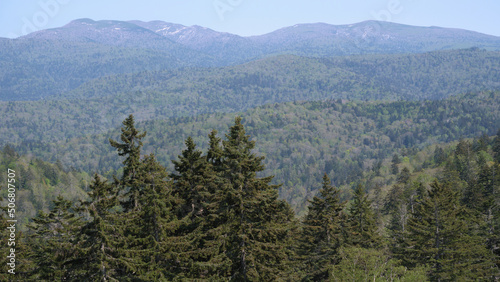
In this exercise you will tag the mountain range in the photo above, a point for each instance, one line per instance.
(55, 61)
(317, 39)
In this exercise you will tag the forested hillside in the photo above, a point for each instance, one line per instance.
(37, 69)
(100, 105)
(38, 183)
(150, 151)
(301, 141)
(432, 75)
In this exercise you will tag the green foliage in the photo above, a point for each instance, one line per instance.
(98, 240)
(322, 232)
(360, 264)
(303, 140)
(361, 226)
(39, 69)
(101, 104)
(496, 147)
(438, 235)
(219, 218)
(53, 240)
(38, 184)
(255, 223)
(131, 148)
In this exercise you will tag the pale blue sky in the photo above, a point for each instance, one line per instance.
(251, 17)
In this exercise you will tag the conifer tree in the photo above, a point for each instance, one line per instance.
(214, 153)
(439, 155)
(194, 184)
(483, 198)
(361, 225)
(98, 254)
(322, 235)
(397, 208)
(439, 235)
(151, 226)
(394, 165)
(496, 147)
(404, 176)
(190, 180)
(53, 241)
(249, 225)
(131, 149)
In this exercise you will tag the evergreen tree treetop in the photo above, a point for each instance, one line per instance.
(131, 147)
(238, 151)
(321, 234)
(362, 229)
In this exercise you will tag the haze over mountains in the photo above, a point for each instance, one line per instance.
(54, 61)
(318, 39)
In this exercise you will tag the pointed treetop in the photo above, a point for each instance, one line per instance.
(237, 135)
(131, 147)
(214, 153)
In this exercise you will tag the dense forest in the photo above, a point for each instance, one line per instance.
(37, 69)
(217, 216)
(38, 183)
(102, 103)
(301, 140)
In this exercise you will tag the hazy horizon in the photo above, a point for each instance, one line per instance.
(247, 18)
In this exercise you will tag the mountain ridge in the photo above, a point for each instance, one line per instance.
(307, 39)
(54, 61)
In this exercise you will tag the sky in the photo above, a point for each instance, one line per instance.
(250, 17)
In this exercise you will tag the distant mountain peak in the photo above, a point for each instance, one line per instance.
(303, 39)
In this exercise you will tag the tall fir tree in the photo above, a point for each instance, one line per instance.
(361, 224)
(215, 151)
(53, 240)
(321, 235)
(191, 180)
(250, 226)
(439, 235)
(194, 183)
(496, 147)
(131, 149)
(99, 257)
(152, 227)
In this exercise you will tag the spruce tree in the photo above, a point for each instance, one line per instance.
(214, 153)
(190, 180)
(151, 227)
(194, 184)
(496, 147)
(394, 165)
(53, 241)
(249, 225)
(321, 234)
(404, 176)
(361, 224)
(131, 149)
(439, 235)
(98, 248)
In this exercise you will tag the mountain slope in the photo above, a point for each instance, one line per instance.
(431, 75)
(371, 37)
(55, 61)
(301, 141)
(103, 103)
(320, 39)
